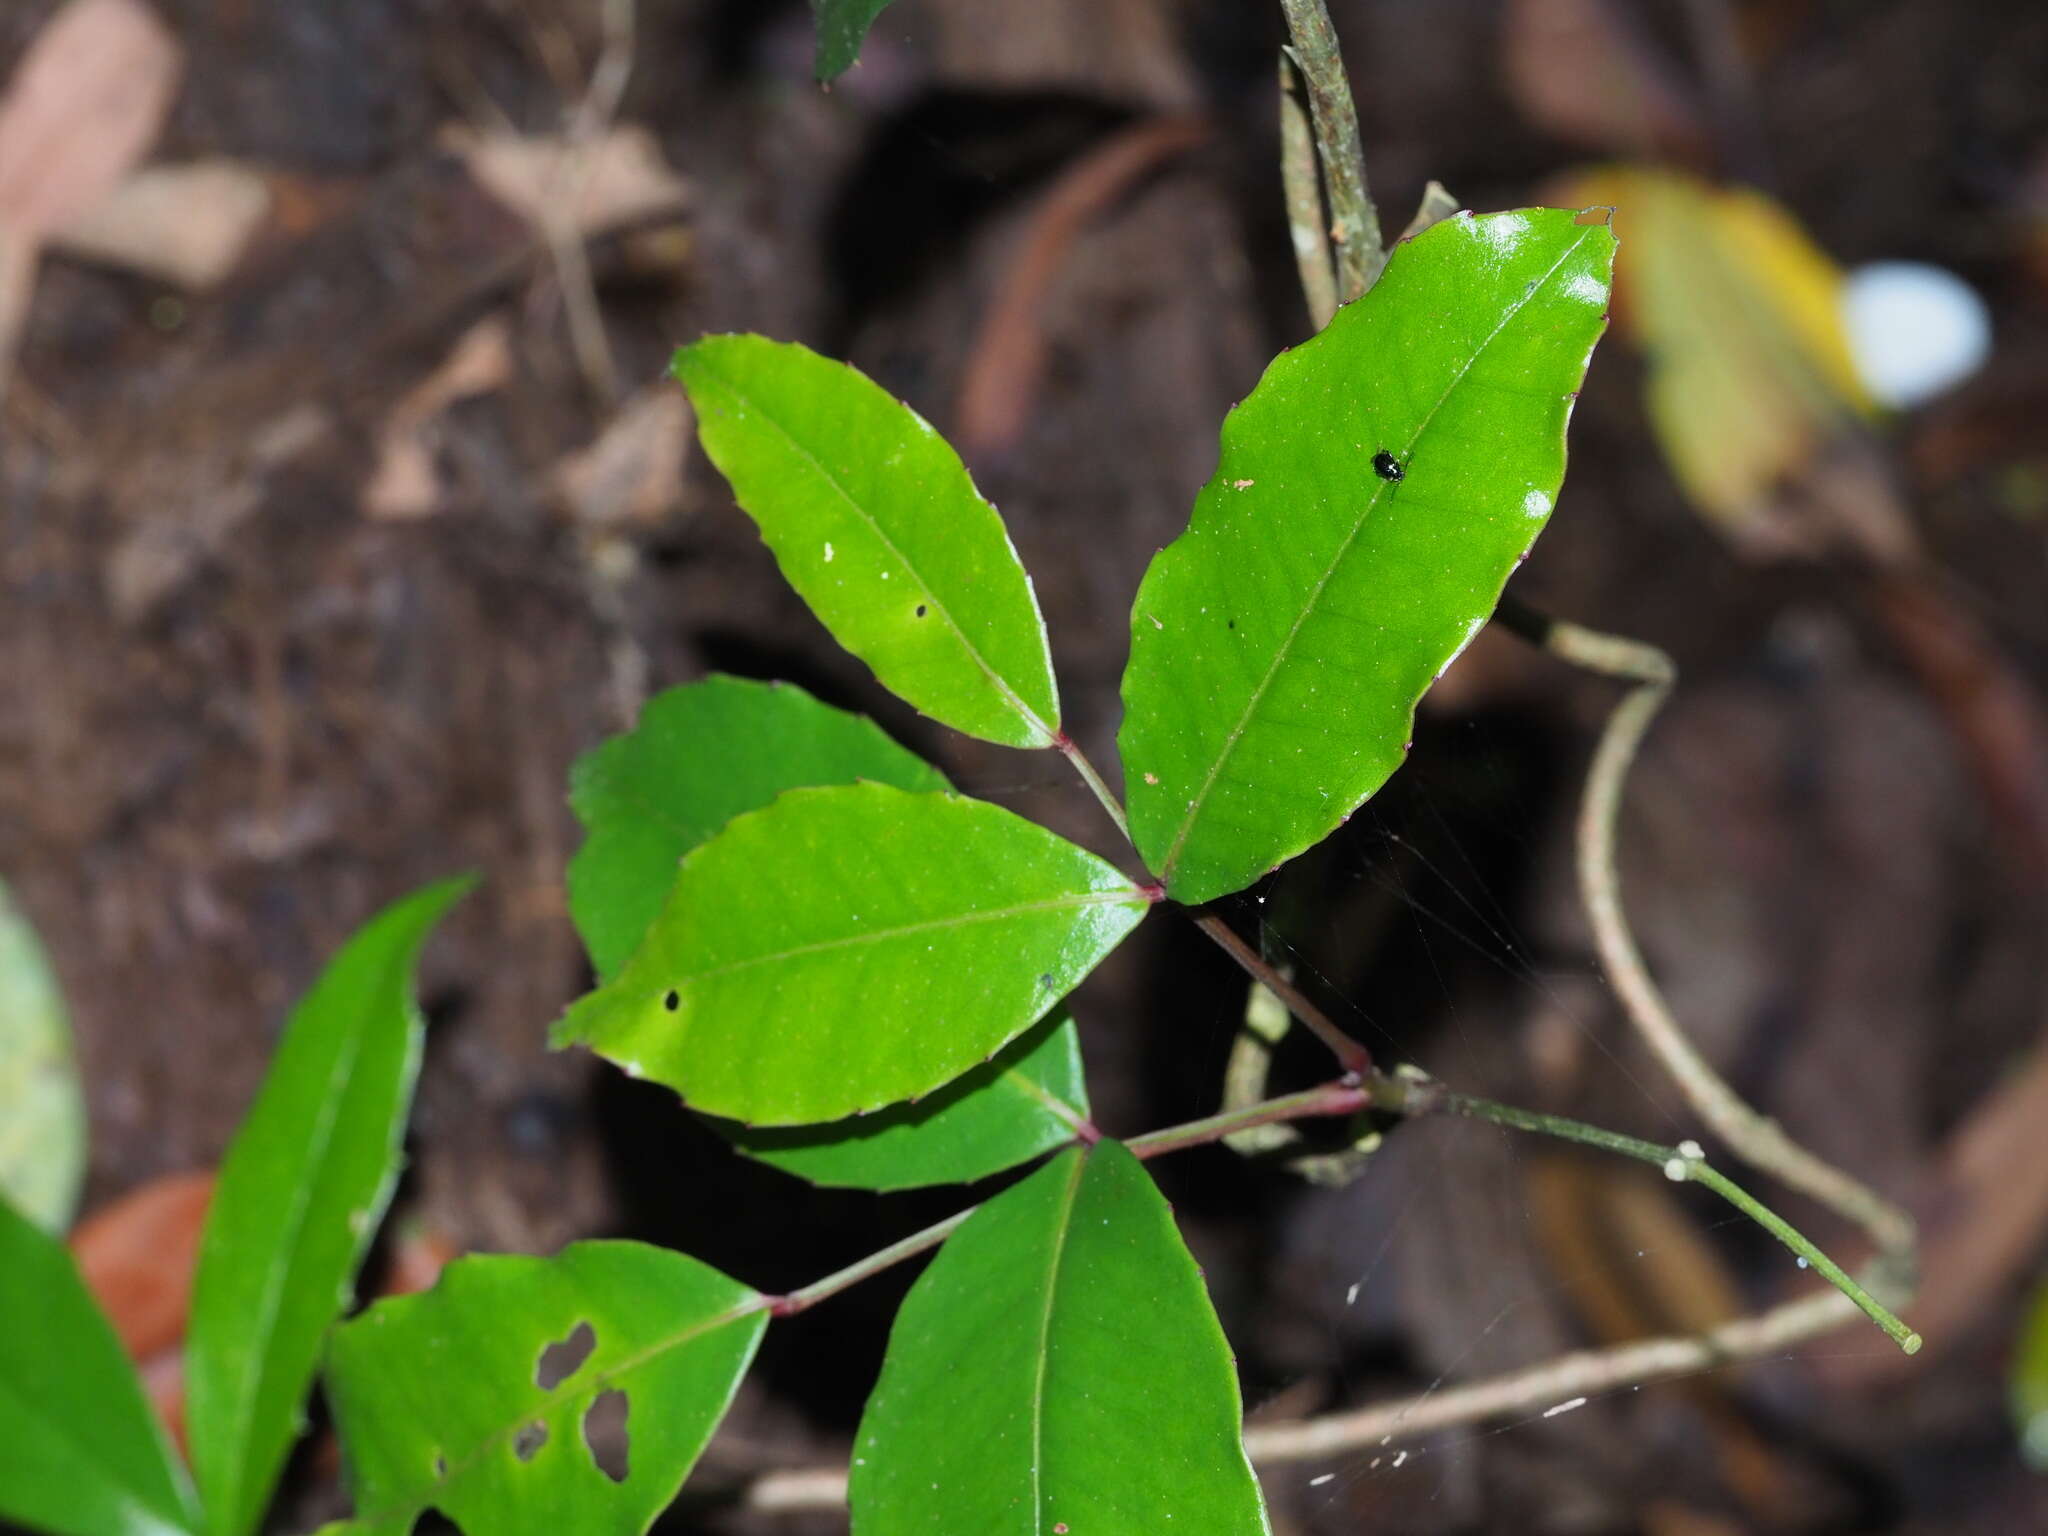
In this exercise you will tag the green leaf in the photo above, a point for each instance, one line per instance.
(1058, 1367)
(463, 1400)
(300, 1195)
(1029, 1098)
(80, 1452)
(701, 755)
(842, 28)
(2030, 1382)
(1279, 646)
(850, 947)
(42, 1112)
(875, 523)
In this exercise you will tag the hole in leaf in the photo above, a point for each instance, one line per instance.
(604, 1432)
(529, 1440)
(564, 1358)
(920, 610)
(672, 1000)
(440, 1466)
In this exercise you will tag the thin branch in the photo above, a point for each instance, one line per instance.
(1351, 1056)
(1582, 1374)
(841, 1279)
(1339, 1098)
(1072, 752)
(1756, 1138)
(1686, 1163)
(1304, 193)
(1354, 222)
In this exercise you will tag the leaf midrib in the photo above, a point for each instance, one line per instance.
(1056, 1261)
(1025, 711)
(269, 1302)
(934, 925)
(1237, 730)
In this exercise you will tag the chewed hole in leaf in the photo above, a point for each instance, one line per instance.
(440, 1466)
(604, 1433)
(531, 1437)
(564, 1358)
(672, 1000)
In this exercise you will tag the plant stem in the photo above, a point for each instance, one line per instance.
(1338, 1098)
(1756, 1138)
(873, 1264)
(1354, 222)
(1682, 1164)
(1354, 1058)
(1072, 752)
(1304, 193)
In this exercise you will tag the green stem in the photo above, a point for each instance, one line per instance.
(1339, 1098)
(1683, 1163)
(873, 1264)
(1072, 752)
(1330, 1099)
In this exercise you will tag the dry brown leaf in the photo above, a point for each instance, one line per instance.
(634, 470)
(83, 107)
(137, 1257)
(1751, 383)
(405, 483)
(1583, 70)
(187, 225)
(191, 516)
(616, 179)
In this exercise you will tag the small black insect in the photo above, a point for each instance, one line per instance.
(1386, 466)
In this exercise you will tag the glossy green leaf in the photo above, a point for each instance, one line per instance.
(300, 1195)
(476, 1398)
(701, 755)
(842, 28)
(1279, 646)
(1058, 1368)
(875, 523)
(1029, 1098)
(2030, 1382)
(851, 947)
(42, 1112)
(80, 1452)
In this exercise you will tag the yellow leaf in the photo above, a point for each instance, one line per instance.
(1738, 314)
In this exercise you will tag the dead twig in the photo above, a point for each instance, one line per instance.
(1756, 1138)
(1007, 360)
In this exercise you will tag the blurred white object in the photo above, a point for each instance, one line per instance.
(1914, 329)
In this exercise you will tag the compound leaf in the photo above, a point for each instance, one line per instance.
(80, 1452)
(298, 1201)
(701, 755)
(1058, 1368)
(850, 947)
(485, 1398)
(873, 520)
(1372, 496)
